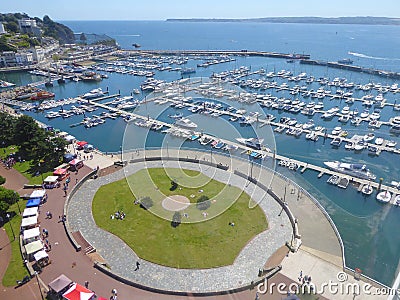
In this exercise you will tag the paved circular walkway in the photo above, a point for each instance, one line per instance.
(175, 203)
(122, 258)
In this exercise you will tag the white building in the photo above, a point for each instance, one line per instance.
(38, 54)
(29, 26)
(24, 58)
(2, 30)
(8, 59)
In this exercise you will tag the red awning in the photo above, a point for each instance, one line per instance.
(75, 162)
(78, 292)
(59, 172)
(81, 143)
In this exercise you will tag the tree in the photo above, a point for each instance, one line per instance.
(203, 202)
(7, 197)
(11, 26)
(146, 203)
(7, 127)
(2, 180)
(176, 219)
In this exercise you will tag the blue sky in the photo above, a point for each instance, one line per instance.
(163, 9)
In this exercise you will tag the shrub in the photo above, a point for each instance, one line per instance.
(146, 203)
(2, 180)
(203, 202)
(176, 219)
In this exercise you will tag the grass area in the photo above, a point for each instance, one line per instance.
(16, 269)
(25, 167)
(206, 244)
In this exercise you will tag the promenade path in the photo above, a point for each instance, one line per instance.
(79, 267)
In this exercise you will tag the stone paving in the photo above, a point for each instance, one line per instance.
(122, 259)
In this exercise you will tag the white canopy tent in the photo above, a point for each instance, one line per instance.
(69, 138)
(50, 179)
(33, 247)
(26, 222)
(31, 233)
(38, 194)
(30, 212)
(40, 255)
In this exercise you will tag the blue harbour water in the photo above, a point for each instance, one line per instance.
(368, 228)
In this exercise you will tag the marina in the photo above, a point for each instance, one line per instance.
(285, 99)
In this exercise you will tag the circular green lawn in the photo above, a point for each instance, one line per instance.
(208, 244)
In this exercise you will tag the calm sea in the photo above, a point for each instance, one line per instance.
(369, 229)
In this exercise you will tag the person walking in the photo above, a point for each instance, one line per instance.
(86, 284)
(137, 266)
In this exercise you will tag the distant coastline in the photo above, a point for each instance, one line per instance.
(306, 20)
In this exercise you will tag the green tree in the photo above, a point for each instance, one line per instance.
(11, 26)
(27, 134)
(146, 203)
(176, 219)
(7, 197)
(7, 127)
(203, 202)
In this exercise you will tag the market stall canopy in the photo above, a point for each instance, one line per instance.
(62, 134)
(33, 202)
(26, 222)
(69, 156)
(40, 255)
(30, 212)
(75, 162)
(59, 172)
(69, 138)
(82, 143)
(33, 247)
(78, 292)
(60, 283)
(38, 194)
(31, 233)
(51, 179)
(88, 147)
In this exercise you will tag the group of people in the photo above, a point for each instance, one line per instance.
(305, 280)
(119, 215)
(9, 162)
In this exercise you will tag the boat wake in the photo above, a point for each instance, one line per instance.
(371, 57)
(127, 34)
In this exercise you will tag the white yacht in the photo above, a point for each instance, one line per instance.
(94, 94)
(356, 170)
(254, 143)
(186, 123)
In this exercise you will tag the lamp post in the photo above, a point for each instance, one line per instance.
(19, 209)
(12, 230)
(40, 290)
(120, 148)
(41, 174)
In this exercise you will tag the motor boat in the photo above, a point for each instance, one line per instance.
(384, 197)
(186, 123)
(93, 94)
(254, 143)
(356, 170)
(367, 189)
